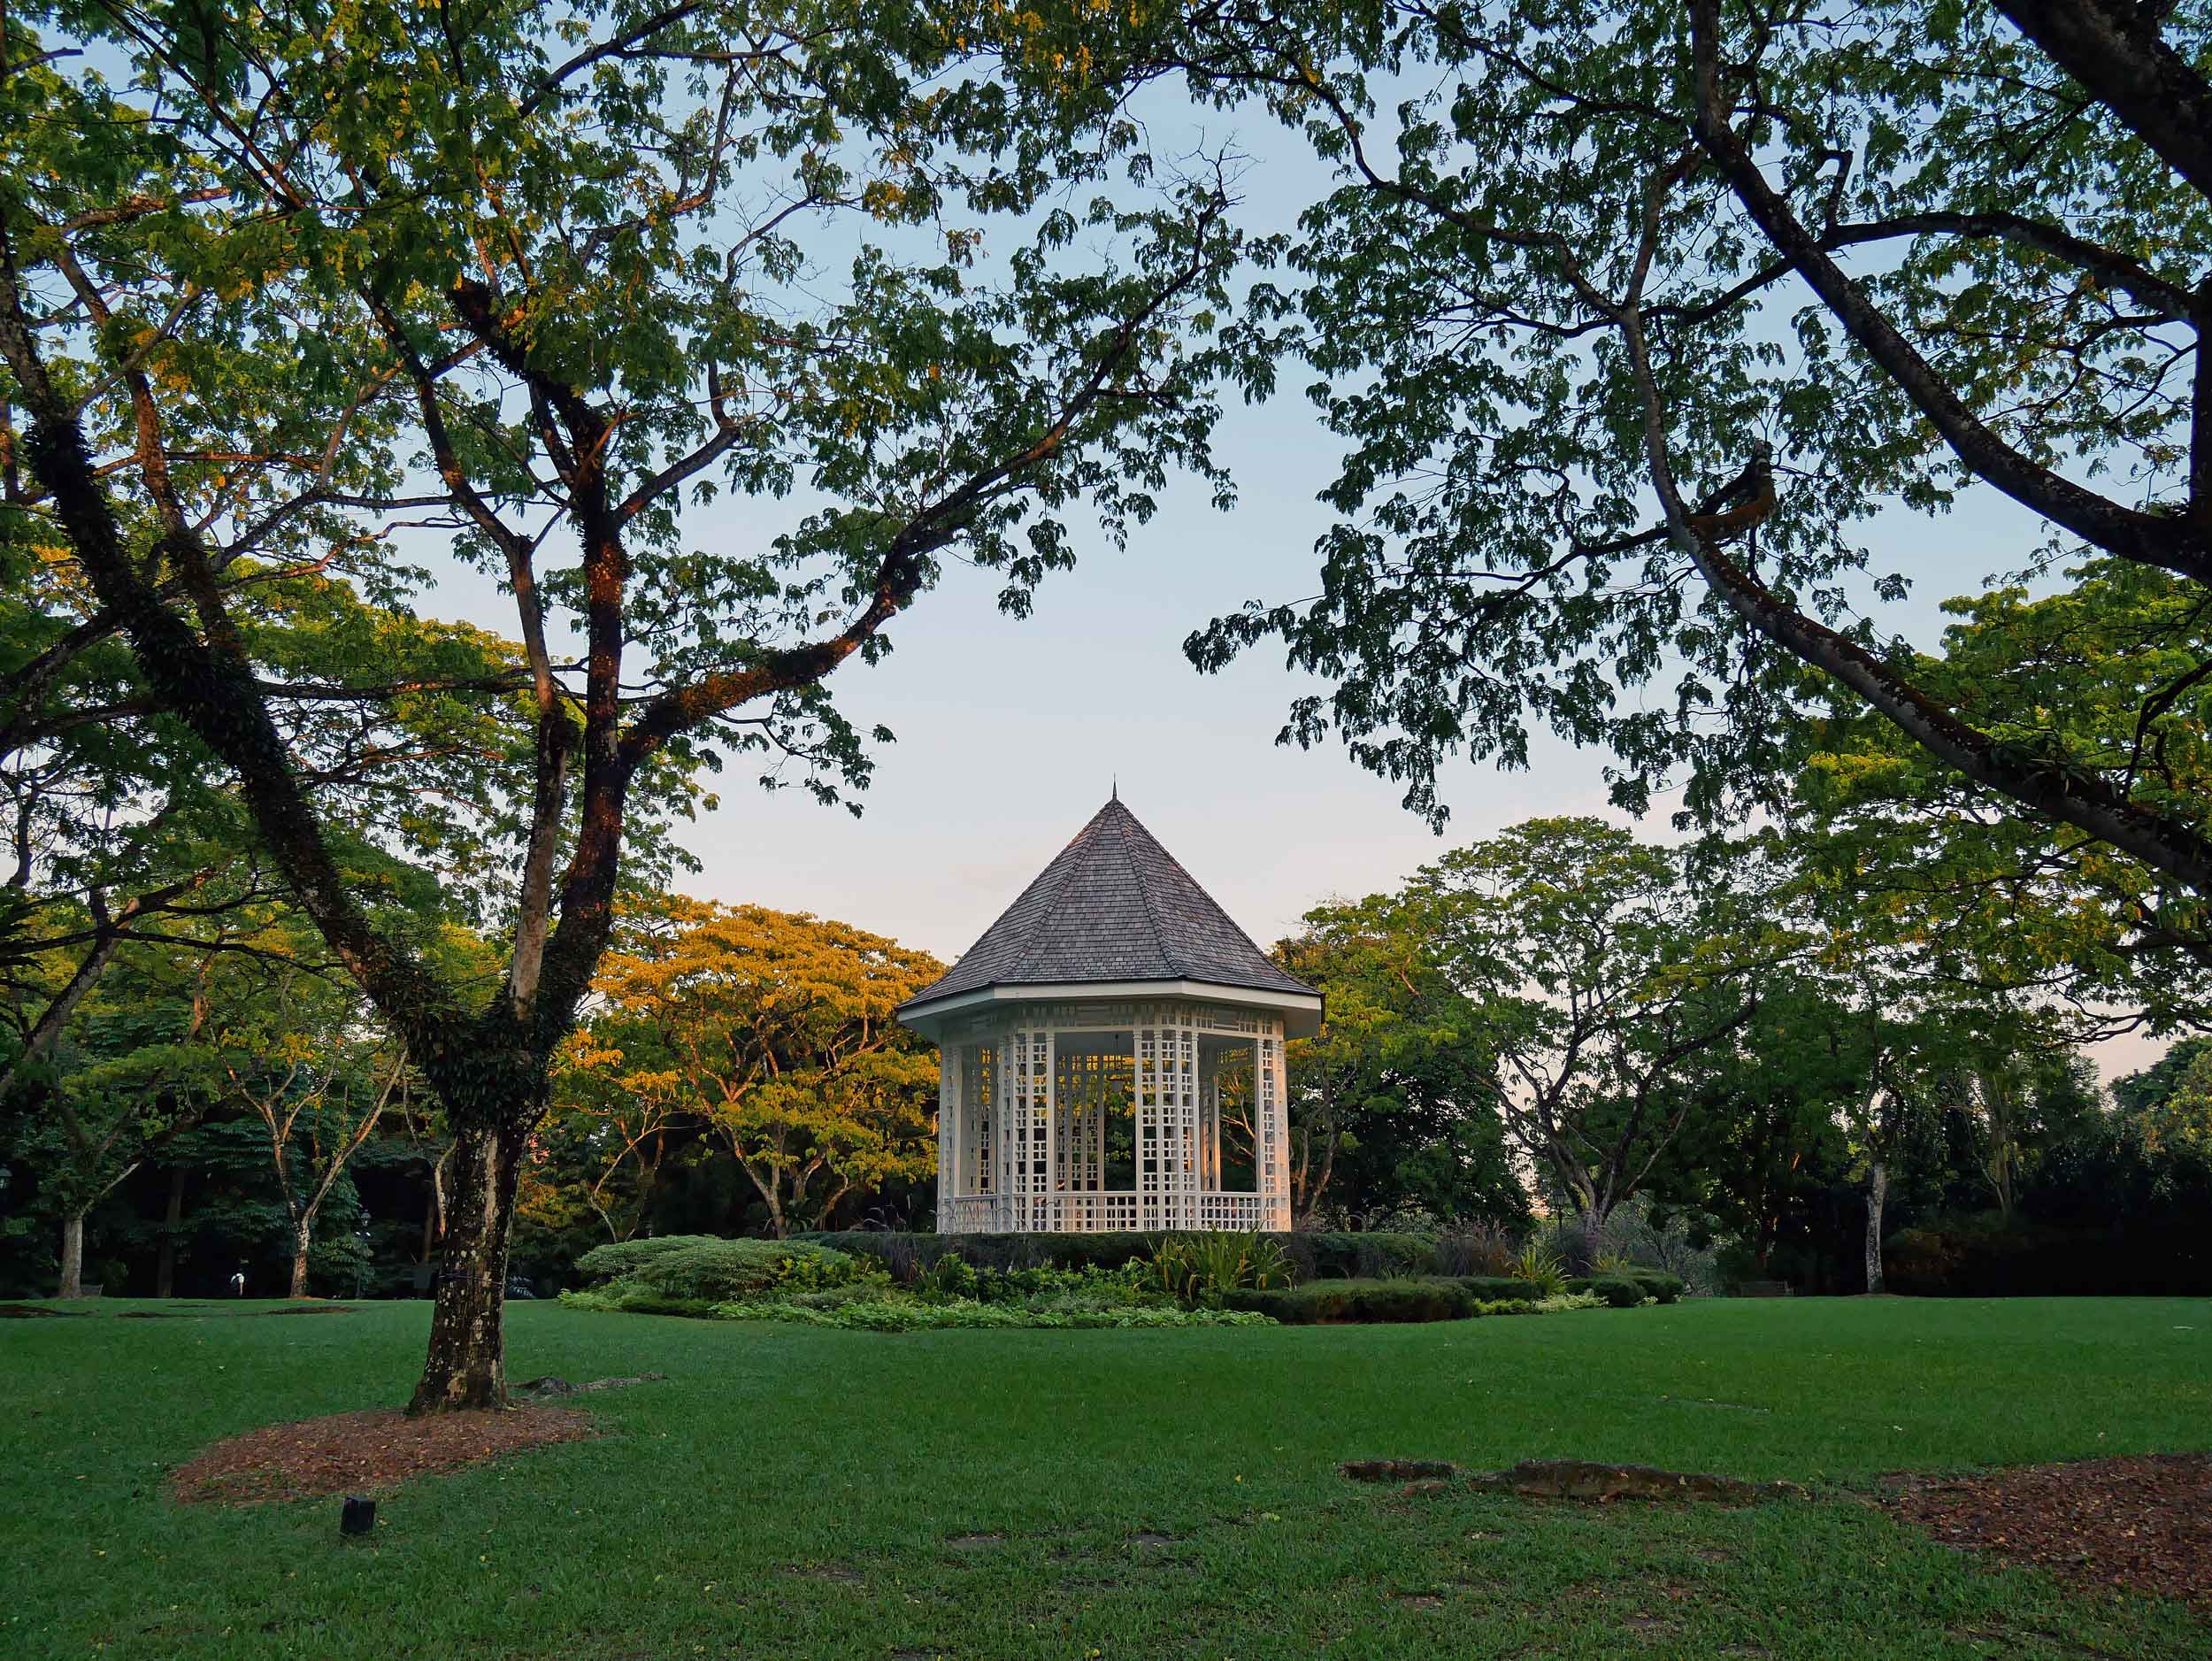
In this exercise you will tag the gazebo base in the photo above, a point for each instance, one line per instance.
(1098, 1213)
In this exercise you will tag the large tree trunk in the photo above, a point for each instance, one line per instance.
(466, 1367)
(1592, 1237)
(300, 1231)
(166, 1260)
(1877, 1194)
(72, 1256)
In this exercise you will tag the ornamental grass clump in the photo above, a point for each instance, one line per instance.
(1542, 1266)
(1199, 1269)
(1476, 1248)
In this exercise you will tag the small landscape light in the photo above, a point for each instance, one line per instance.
(359, 1516)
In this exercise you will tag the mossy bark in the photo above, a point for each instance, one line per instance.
(299, 1241)
(1876, 1193)
(72, 1256)
(466, 1366)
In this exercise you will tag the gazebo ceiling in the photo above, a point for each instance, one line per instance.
(1115, 912)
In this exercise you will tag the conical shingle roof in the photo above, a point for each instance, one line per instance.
(1113, 906)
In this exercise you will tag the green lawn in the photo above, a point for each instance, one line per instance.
(796, 1492)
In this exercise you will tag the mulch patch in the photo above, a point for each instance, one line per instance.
(32, 1311)
(2143, 1523)
(366, 1452)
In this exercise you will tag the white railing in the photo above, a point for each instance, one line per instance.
(1096, 1212)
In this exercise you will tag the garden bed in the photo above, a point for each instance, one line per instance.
(365, 1452)
(1190, 1280)
(2144, 1523)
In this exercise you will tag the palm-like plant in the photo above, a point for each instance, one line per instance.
(1541, 1265)
(1199, 1268)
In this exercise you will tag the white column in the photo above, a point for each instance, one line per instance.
(1182, 1125)
(950, 1057)
(1044, 1212)
(1271, 1127)
(1006, 1114)
(1145, 1099)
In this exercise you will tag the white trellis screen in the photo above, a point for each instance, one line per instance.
(1028, 1093)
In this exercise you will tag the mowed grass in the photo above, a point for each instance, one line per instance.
(794, 1492)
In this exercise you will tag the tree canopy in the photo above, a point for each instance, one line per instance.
(279, 297)
(1633, 316)
(771, 1033)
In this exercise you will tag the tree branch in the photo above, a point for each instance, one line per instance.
(2171, 544)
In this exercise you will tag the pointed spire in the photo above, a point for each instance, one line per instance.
(1114, 906)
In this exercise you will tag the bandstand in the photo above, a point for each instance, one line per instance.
(1110, 1054)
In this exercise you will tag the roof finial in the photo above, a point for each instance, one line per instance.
(1117, 777)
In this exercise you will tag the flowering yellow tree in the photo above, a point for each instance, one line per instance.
(772, 1033)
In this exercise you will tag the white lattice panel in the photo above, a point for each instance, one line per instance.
(1271, 1152)
(978, 1161)
(1023, 1140)
(1228, 1211)
(1082, 1087)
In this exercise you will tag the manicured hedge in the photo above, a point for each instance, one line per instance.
(617, 1258)
(702, 1267)
(1321, 1256)
(904, 1253)
(1358, 1255)
(1317, 1255)
(1656, 1283)
(1319, 1303)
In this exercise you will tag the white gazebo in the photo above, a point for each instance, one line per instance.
(1111, 1054)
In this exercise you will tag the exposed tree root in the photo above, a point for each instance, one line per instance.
(1583, 1480)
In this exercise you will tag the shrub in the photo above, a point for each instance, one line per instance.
(953, 1278)
(1498, 1288)
(1350, 1255)
(1320, 1255)
(1475, 1248)
(896, 1314)
(1649, 1282)
(626, 1298)
(1540, 1266)
(1991, 1256)
(908, 1254)
(1557, 1306)
(1199, 1268)
(702, 1267)
(1659, 1283)
(1331, 1302)
(1634, 1236)
(1923, 1260)
(1618, 1292)
(618, 1260)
